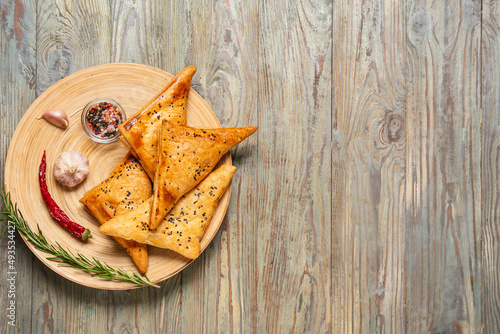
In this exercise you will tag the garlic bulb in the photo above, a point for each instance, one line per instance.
(71, 168)
(56, 117)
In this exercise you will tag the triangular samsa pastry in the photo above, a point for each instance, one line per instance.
(184, 226)
(126, 188)
(187, 155)
(140, 132)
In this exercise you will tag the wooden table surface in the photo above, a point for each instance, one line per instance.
(368, 200)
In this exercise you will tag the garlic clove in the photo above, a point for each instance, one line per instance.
(56, 117)
(71, 168)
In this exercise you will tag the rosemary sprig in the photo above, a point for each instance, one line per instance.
(94, 267)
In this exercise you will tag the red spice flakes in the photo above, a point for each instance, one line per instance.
(103, 118)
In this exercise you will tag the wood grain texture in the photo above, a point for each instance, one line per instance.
(223, 40)
(70, 36)
(490, 165)
(407, 122)
(17, 91)
(369, 135)
(292, 212)
(443, 188)
(108, 26)
(139, 34)
(367, 201)
(443, 240)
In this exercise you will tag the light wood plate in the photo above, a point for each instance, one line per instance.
(132, 86)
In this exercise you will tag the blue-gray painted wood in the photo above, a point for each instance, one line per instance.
(366, 202)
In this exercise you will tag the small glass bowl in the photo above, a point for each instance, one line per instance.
(87, 128)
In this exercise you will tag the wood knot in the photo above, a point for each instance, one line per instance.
(60, 62)
(421, 24)
(393, 129)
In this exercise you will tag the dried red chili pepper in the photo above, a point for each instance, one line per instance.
(55, 211)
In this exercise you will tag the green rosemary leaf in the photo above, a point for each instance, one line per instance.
(65, 257)
(3, 231)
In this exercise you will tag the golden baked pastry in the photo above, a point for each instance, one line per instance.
(184, 226)
(187, 155)
(127, 187)
(140, 132)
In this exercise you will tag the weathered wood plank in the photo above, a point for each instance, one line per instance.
(17, 92)
(136, 35)
(222, 43)
(379, 218)
(369, 166)
(128, 32)
(443, 261)
(290, 218)
(140, 33)
(406, 124)
(490, 167)
(71, 35)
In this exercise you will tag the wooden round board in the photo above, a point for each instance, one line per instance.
(132, 86)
